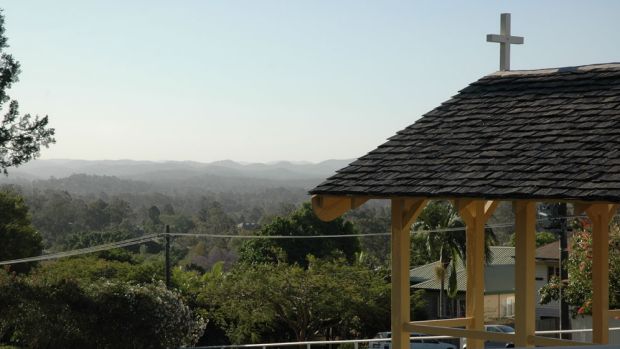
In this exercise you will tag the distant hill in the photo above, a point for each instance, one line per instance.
(115, 176)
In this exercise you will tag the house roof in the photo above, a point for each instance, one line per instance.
(498, 279)
(423, 277)
(552, 134)
(549, 251)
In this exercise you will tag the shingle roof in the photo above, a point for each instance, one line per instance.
(537, 134)
(549, 251)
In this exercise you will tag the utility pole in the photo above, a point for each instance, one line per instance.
(564, 315)
(167, 256)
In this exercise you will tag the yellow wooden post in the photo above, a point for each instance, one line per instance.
(475, 213)
(525, 272)
(600, 215)
(404, 213)
(400, 276)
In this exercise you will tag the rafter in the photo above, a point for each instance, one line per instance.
(328, 208)
(412, 209)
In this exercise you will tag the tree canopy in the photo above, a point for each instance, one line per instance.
(18, 239)
(302, 222)
(21, 137)
(577, 292)
(329, 298)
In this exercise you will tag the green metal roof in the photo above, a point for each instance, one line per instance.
(499, 273)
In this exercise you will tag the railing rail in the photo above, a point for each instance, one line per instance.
(356, 342)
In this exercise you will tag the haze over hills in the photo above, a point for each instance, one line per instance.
(86, 176)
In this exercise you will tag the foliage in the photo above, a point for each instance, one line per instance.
(542, 238)
(105, 314)
(18, 238)
(578, 290)
(302, 222)
(280, 301)
(373, 219)
(21, 137)
(89, 269)
(441, 237)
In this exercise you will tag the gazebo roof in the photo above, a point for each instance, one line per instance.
(538, 134)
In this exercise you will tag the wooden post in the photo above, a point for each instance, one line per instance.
(404, 213)
(600, 215)
(600, 278)
(475, 213)
(525, 272)
(400, 276)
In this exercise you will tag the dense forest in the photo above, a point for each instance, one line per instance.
(226, 290)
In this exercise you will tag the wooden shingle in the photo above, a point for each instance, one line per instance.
(539, 134)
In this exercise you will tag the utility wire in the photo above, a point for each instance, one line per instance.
(151, 237)
(97, 248)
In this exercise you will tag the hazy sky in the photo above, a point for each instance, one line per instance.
(271, 80)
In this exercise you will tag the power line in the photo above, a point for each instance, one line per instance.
(151, 237)
(81, 251)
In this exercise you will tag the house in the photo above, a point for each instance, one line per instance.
(499, 284)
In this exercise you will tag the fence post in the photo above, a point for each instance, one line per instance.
(308, 346)
(356, 345)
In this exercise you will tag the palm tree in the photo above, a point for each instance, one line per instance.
(444, 236)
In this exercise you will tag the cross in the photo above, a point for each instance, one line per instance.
(505, 40)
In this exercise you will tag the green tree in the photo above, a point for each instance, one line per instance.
(154, 213)
(21, 137)
(301, 222)
(18, 238)
(542, 238)
(104, 314)
(254, 303)
(443, 239)
(577, 292)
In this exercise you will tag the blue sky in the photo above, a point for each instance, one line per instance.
(271, 80)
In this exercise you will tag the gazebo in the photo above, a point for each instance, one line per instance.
(519, 136)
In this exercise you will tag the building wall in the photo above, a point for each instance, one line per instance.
(499, 306)
(543, 271)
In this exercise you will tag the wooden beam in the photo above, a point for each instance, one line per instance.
(462, 321)
(475, 213)
(614, 313)
(479, 335)
(400, 306)
(328, 208)
(463, 208)
(489, 209)
(412, 209)
(549, 341)
(525, 272)
(600, 215)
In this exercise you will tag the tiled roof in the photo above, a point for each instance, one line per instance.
(502, 255)
(536, 134)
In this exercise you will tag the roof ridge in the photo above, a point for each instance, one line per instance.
(548, 71)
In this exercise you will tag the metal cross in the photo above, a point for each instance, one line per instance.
(505, 40)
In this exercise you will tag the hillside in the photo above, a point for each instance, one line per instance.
(130, 176)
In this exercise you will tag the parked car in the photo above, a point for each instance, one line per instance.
(496, 329)
(414, 343)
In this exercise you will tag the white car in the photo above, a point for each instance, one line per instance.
(414, 343)
(497, 329)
